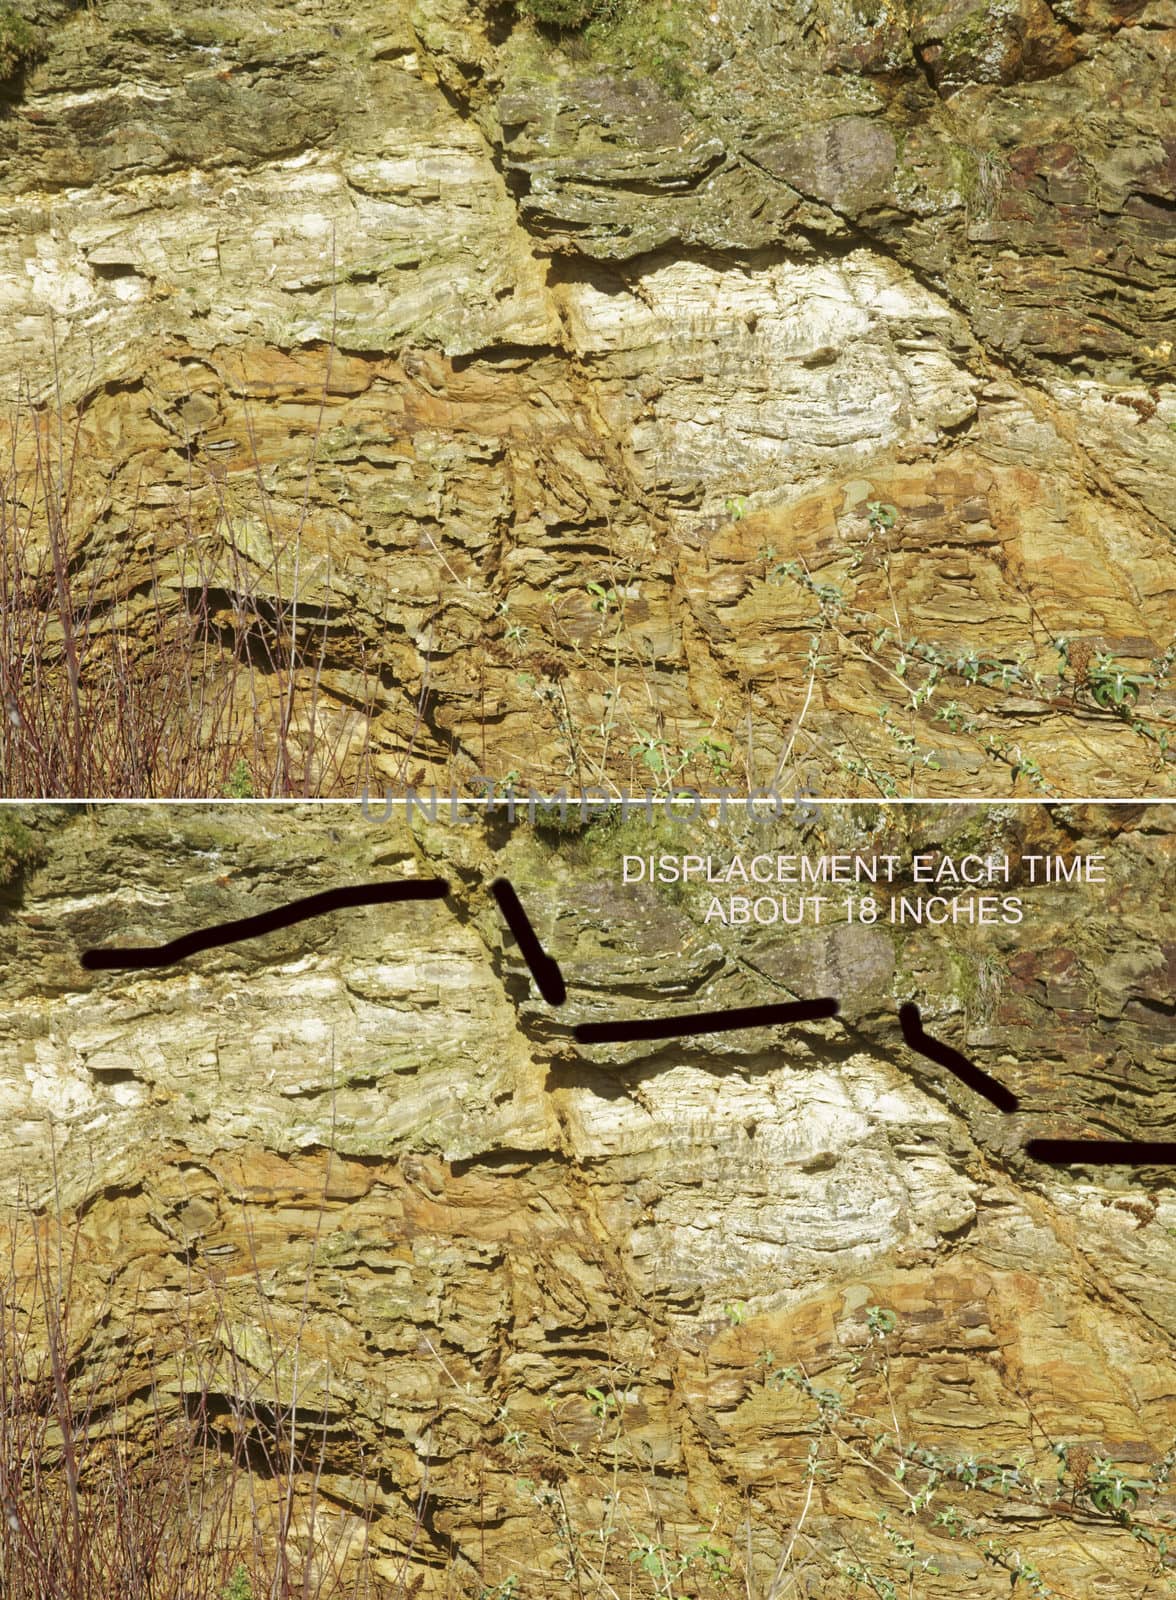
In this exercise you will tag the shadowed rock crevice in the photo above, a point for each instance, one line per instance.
(481, 361)
(347, 1211)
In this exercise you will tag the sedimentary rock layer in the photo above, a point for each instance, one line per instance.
(522, 1274)
(514, 400)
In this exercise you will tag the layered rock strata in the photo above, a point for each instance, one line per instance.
(515, 400)
(519, 1290)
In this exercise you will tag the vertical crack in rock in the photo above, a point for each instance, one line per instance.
(626, 329)
(502, 1256)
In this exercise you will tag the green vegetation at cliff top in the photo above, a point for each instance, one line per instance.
(644, 36)
(19, 42)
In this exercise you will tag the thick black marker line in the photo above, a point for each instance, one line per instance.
(944, 1056)
(1103, 1152)
(544, 969)
(134, 957)
(694, 1022)
(1054, 1152)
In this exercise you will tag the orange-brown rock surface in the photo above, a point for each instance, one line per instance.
(556, 1313)
(462, 395)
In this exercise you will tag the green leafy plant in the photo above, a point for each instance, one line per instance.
(880, 1321)
(1112, 1490)
(1110, 685)
(888, 1550)
(602, 1404)
(20, 849)
(715, 1558)
(506, 1590)
(655, 1560)
(20, 42)
(567, 13)
(921, 669)
(858, 767)
(908, 745)
(239, 1586)
(604, 599)
(653, 752)
(716, 753)
(863, 1577)
(239, 784)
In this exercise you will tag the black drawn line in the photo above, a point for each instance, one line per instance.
(1103, 1152)
(702, 1022)
(135, 957)
(944, 1056)
(549, 978)
(544, 969)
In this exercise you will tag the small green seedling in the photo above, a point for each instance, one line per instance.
(602, 1403)
(881, 515)
(238, 1587)
(239, 783)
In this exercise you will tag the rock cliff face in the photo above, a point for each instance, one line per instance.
(713, 393)
(542, 1290)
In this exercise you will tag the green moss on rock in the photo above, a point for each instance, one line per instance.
(648, 38)
(20, 850)
(644, 37)
(567, 13)
(20, 42)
